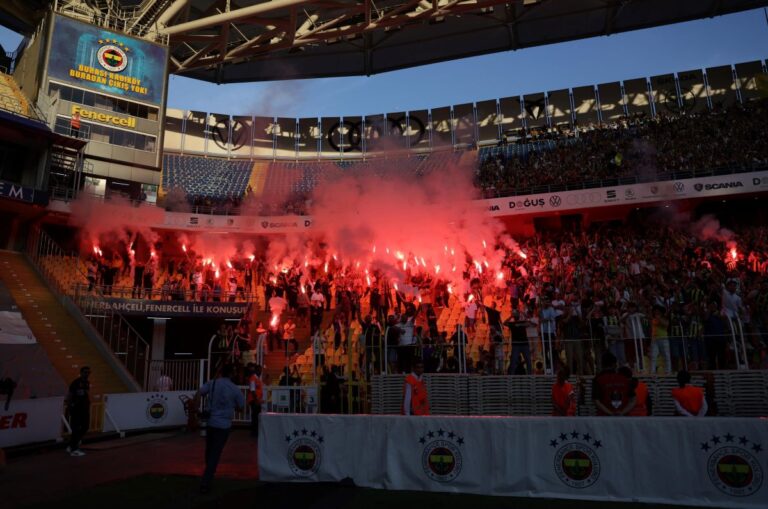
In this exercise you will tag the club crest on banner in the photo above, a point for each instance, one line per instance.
(576, 461)
(157, 408)
(732, 464)
(441, 455)
(112, 55)
(304, 451)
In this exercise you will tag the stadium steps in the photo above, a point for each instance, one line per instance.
(258, 177)
(62, 339)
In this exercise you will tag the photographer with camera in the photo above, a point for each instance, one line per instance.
(224, 397)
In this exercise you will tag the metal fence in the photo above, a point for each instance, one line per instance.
(123, 340)
(176, 375)
(734, 393)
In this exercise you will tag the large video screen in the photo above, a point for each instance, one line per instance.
(110, 63)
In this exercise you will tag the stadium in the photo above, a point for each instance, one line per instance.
(538, 299)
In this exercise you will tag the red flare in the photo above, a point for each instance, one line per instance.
(450, 289)
(437, 269)
(368, 280)
(252, 257)
(484, 244)
(522, 255)
(184, 247)
(152, 254)
(500, 276)
(303, 289)
(274, 321)
(734, 253)
(326, 267)
(229, 264)
(470, 298)
(217, 274)
(396, 289)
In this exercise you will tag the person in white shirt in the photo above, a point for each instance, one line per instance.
(732, 304)
(470, 313)
(317, 304)
(548, 315)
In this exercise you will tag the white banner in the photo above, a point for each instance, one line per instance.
(14, 329)
(717, 462)
(141, 410)
(649, 192)
(28, 421)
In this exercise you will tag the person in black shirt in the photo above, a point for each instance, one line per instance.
(79, 409)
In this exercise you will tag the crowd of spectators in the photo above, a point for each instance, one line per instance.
(659, 298)
(638, 147)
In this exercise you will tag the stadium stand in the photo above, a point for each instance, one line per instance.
(206, 178)
(637, 149)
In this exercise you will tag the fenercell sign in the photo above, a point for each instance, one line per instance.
(104, 118)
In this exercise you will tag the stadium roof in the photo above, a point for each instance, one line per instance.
(228, 41)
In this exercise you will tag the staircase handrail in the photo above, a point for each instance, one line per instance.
(37, 237)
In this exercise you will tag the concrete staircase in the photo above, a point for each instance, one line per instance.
(56, 331)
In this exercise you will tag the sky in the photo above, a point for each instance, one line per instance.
(699, 44)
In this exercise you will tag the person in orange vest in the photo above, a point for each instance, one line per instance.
(638, 389)
(416, 398)
(689, 400)
(74, 124)
(563, 395)
(255, 397)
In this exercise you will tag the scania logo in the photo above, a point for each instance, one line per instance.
(718, 185)
(555, 201)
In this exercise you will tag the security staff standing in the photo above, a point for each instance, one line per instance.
(689, 400)
(74, 124)
(416, 398)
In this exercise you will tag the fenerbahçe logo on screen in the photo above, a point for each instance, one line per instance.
(576, 461)
(304, 451)
(440, 455)
(112, 55)
(157, 408)
(732, 466)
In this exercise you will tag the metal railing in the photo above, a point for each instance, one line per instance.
(162, 294)
(176, 375)
(84, 133)
(125, 343)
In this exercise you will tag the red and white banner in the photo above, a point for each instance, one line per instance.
(715, 462)
(28, 421)
(142, 410)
